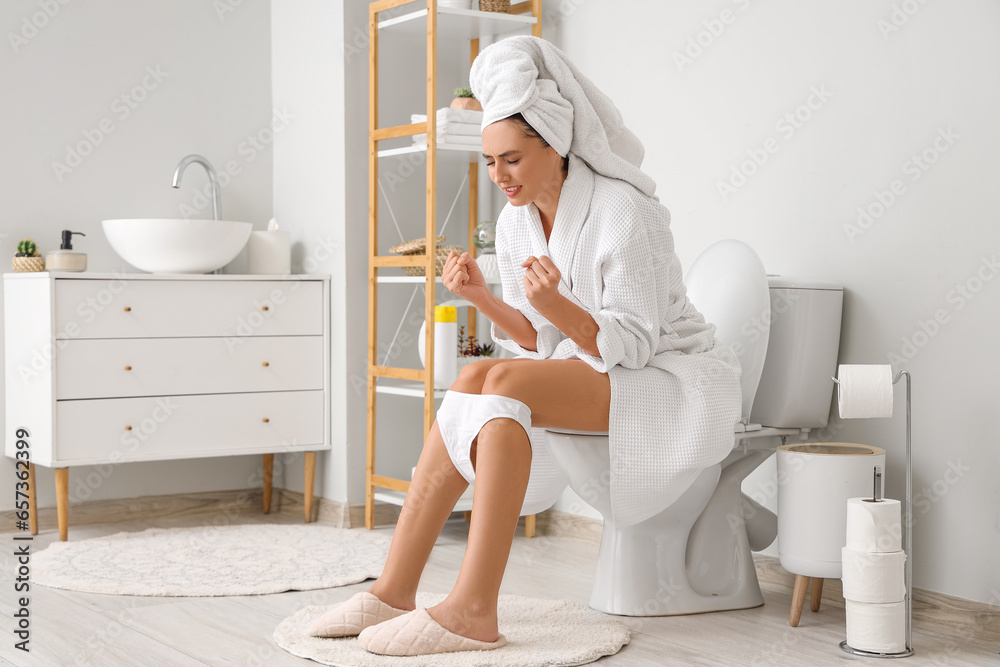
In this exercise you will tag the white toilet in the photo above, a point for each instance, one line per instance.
(695, 556)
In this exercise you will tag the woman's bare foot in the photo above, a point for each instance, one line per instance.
(389, 597)
(467, 620)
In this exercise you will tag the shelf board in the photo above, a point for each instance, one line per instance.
(464, 503)
(405, 388)
(415, 280)
(454, 22)
(406, 279)
(445, 150)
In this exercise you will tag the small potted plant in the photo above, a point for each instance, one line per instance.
(470, 350)
(464, 99)
(27, 258)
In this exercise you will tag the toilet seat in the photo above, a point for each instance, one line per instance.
(740, 429)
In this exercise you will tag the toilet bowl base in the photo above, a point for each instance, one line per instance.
(693, 557)
(642, 574)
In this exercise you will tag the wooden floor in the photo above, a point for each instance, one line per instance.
(87, 629)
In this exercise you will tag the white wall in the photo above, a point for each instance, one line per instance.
(309, 195)
(882, 94)
(195, 79)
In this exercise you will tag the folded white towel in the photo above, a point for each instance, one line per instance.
(530, 76)
(461, 129)
(447, 114)
(452, 127)
(465, 140)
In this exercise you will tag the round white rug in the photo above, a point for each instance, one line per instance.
(209, 561)
(539, 632)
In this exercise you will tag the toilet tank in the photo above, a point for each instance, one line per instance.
(796, 388)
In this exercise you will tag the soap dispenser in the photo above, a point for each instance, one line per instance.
(65, 259)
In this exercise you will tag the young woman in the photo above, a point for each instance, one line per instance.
(595, 308)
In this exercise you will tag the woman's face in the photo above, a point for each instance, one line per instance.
(525, 169)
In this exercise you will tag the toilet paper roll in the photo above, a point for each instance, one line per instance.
(874, 527)
(874, 577)
(269, 253)
(880, 628)
(864, 391)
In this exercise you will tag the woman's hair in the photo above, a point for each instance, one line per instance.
(525, 126)
(529, 131)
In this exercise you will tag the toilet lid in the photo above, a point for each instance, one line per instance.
(727, 283)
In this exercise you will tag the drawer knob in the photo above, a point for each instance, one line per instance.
(263, 307)
(266, 420)
(266, 364)
(128, 428)
(128, 309)
(128, 368)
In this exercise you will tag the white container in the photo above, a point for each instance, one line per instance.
(445, 346)
(269, 253)
(65, 260)
(815, 480)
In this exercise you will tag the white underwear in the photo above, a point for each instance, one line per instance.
(461, 417)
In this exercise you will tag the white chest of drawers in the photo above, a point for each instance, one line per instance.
(110, 368)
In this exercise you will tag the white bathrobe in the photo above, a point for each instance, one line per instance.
(675, 390)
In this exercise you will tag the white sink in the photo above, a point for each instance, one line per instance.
(161, 245)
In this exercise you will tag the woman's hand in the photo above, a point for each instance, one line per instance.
(462, 277)
(541, 283)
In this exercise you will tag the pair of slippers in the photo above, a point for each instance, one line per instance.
(389, 631)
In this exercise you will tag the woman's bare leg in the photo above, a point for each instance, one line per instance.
(434, 490)
(560, 393)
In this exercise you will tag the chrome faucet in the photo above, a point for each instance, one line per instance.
(212, 176)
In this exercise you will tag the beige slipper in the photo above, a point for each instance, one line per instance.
(349, 618)
(416, 633)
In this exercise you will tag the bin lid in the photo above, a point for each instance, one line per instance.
(832, 449)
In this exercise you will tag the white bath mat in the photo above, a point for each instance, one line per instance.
(210, 561)
(539, 632)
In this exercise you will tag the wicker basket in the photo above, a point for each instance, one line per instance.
(28, 264)
(418, 247)
(502, 6)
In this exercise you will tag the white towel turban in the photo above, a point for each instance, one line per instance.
(530, 76)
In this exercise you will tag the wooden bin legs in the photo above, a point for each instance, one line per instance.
(799, 597)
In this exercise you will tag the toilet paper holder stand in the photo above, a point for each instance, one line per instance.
(907, 544)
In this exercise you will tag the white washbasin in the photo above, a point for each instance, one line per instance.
(160, 245)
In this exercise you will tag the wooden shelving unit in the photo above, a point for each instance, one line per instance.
(433, 21)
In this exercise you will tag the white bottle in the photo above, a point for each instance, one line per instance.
(445, 346)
